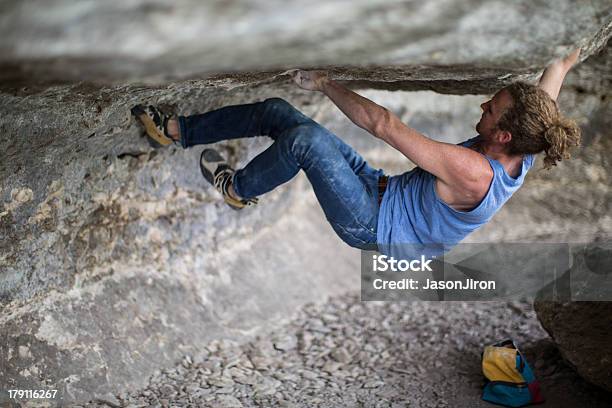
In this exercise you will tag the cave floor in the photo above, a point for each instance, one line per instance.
(370, 354)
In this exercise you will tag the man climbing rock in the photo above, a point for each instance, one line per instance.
(453, 190)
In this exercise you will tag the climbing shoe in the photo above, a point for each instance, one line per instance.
(155, 123)
(218, 173)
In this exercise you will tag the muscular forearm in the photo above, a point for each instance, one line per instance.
(361, 111)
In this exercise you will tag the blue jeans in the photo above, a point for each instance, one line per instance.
(344, 184)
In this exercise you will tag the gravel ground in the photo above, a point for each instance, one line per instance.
(347, 353)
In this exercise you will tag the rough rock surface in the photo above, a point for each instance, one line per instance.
(581, 331)
(116, 259)
(348, 353)
(457, 46)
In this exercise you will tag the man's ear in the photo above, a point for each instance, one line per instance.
(503, 136)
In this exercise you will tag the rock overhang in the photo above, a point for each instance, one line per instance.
(450, 46)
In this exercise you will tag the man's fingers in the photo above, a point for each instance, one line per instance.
(304, 79)
(571, 58)
(574, 54)
(293, 73)
(298, 76)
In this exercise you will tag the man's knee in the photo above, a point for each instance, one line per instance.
(283, 116)
(308, 138)
(279, 104)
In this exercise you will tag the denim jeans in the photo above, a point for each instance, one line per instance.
(344, 184)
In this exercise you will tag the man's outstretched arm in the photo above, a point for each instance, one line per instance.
(361, 111)
(553, 76)
(454, 165)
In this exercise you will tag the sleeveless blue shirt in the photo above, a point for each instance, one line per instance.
(412, 213)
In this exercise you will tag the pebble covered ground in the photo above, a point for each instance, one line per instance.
(348, 353)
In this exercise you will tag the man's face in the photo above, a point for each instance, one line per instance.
(492, 111)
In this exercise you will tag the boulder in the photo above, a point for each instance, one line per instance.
(580, 321)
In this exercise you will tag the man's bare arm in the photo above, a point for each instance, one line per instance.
(454, 165)
(361, 111)
(553, 76)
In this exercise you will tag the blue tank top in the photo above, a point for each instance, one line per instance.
(412, 213)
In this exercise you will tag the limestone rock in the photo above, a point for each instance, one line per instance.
(451, 45)
(117, 259)
(582, 329)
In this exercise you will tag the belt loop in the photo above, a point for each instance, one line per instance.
(382, 186)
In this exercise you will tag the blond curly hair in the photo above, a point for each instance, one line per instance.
(536, 125)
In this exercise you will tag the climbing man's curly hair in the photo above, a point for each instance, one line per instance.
(536, 125)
